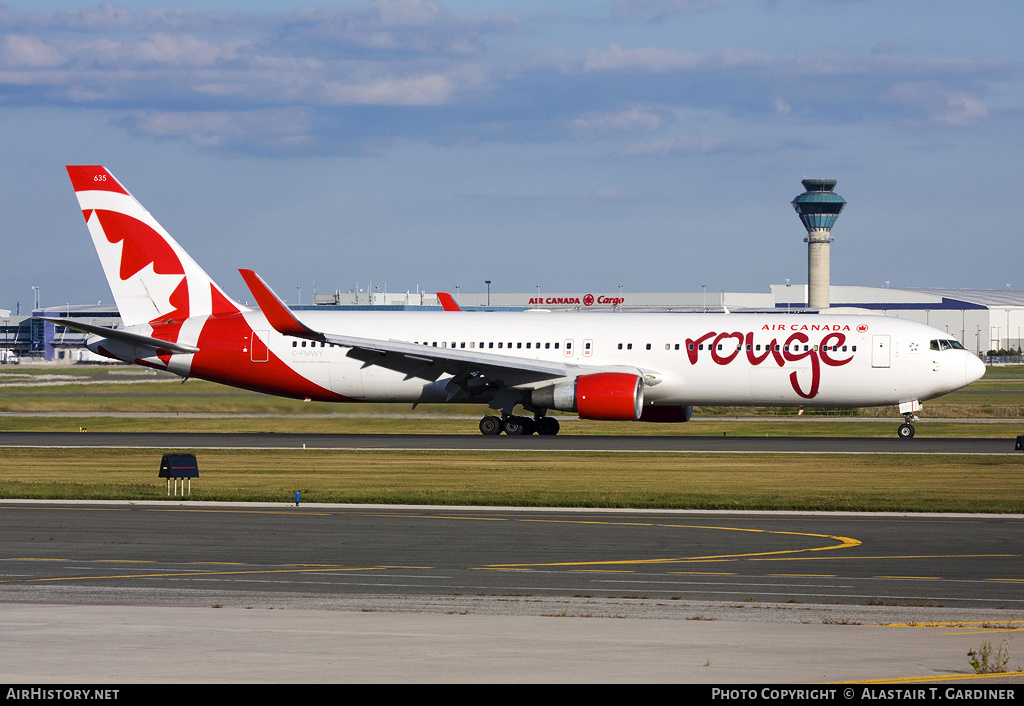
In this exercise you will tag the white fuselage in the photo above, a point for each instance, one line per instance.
(685, 359)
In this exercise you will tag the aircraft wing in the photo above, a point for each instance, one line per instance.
(415, 359)
(137, 339)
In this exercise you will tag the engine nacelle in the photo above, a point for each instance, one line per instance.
(672, 414)
(610, 396)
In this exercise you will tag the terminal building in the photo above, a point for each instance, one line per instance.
(983, 320)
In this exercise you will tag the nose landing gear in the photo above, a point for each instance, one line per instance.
(907, 409)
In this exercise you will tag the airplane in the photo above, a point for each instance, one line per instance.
(647, 367)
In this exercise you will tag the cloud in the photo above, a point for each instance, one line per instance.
(287, 128)
(25, 52)
(399, 24)
(658, 10)
(825, 63)
(645, 59)
(716, 145)
(431, 89)
(485, 76)
(87, 66)
(954, 107)
(632, 120)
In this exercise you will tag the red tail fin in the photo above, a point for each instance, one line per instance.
(447, 303)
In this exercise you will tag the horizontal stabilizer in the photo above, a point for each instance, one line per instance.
(115, 334)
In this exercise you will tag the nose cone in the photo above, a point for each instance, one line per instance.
(974, 368)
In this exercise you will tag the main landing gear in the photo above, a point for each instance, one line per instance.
(518, 426)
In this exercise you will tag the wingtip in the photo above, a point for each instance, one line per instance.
(277, 313)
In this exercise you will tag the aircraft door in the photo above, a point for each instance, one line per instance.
(588, 348)
(567, 347)
(880, 351)
(258, 351)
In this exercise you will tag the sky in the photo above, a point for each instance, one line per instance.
(576, 146)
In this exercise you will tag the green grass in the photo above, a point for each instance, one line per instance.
(711, 481)
(903, 483)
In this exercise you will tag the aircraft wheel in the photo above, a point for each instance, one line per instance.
(547, 426)
(906, 431)
(514, 426)
(489, 426)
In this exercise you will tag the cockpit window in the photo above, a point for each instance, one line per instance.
(945, 345)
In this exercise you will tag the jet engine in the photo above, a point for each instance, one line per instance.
(611, 396)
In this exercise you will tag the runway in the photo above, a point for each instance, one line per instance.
(337, 550)
(478, 442)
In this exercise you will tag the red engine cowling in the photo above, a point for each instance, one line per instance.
(672, 414)
(611, 396)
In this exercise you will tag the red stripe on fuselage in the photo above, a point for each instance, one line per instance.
(224, 356)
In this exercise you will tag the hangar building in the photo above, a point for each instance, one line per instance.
(983, 320)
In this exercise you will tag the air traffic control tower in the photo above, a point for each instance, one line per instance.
(818, 208)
